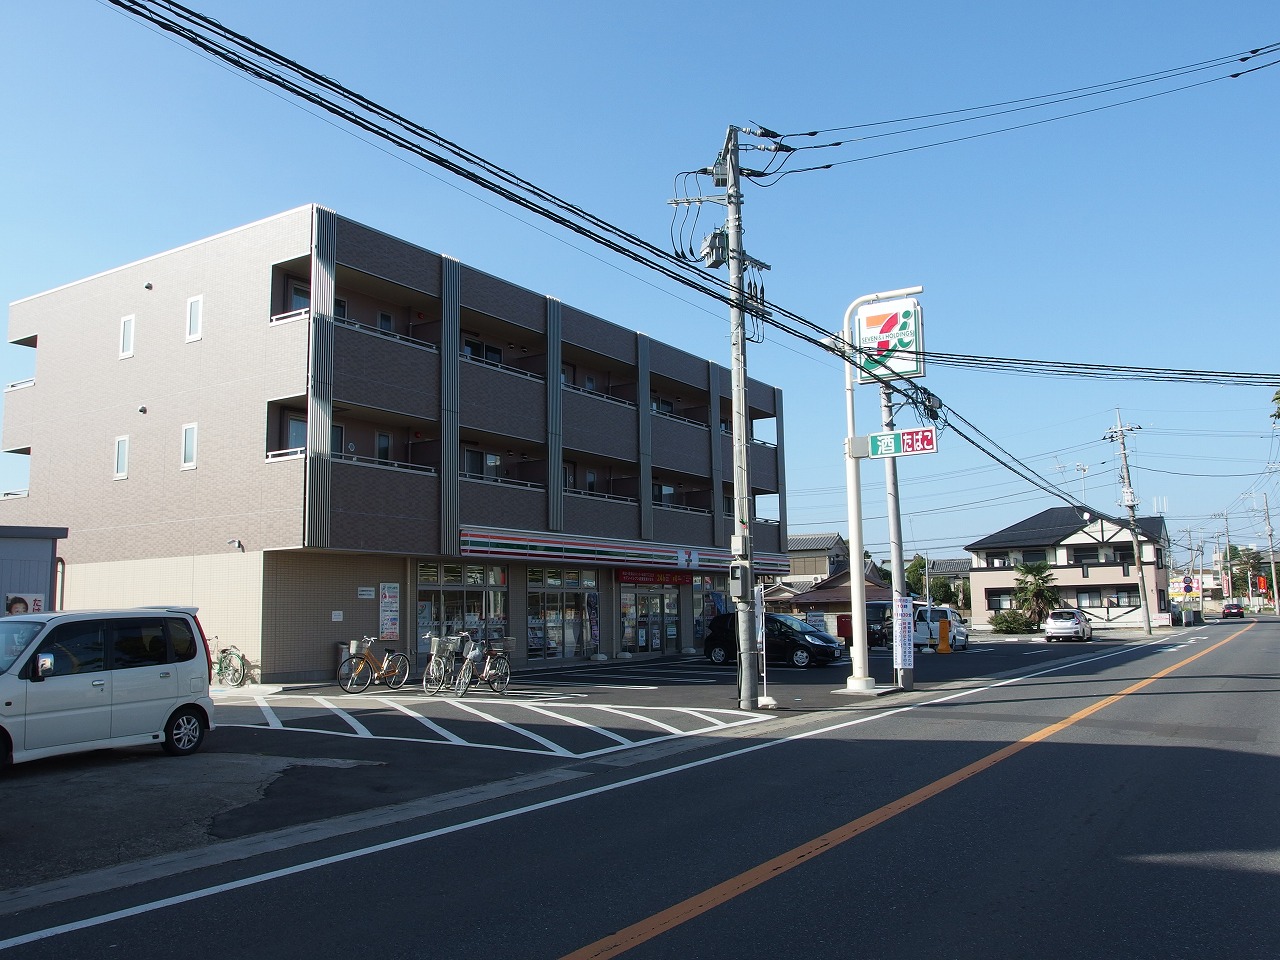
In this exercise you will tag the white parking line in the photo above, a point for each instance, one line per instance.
(555, 748)
(361, 731)
(637, 716)
(429, 724)
(580, 723)
(272, 719)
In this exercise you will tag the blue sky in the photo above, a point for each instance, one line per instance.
(1143, 235)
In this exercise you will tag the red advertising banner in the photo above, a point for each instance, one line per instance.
(663, 577)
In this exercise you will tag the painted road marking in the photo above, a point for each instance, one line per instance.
(299, 868)
(662, 720)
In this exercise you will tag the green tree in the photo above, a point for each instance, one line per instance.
(941, 591)
(915, 575)
(1034, 592)
(1246, 564)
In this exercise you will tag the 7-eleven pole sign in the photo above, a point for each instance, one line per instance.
(890, 336)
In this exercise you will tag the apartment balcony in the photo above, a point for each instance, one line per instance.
(513, 504)
(21, 407)
(601, 425)
(387, 507)
(503, 401)
(601, 515)
(683, 525)
(766, 535)
(286, 363)
(681, 445)
(763, 460)
(383, 371)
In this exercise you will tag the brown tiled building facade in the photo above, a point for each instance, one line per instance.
(315, 431)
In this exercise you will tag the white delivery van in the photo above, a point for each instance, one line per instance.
(933, 623)
(86, 680)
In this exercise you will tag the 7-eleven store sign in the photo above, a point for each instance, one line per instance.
(891, 338)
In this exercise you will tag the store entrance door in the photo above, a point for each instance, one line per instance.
(651, 617)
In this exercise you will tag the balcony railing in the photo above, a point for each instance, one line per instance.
(677, 417)
(389, 464)
(292, 315)
(388, 334)
(597, 395)
(467, 358)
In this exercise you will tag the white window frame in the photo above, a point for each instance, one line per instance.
(121, 471)
(190, 430)
(198, 303)
(386, 322)
(127, 328)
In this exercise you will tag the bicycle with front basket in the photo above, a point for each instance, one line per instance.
(481, 660)
(356, 672)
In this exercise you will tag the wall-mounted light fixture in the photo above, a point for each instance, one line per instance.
(235, 542)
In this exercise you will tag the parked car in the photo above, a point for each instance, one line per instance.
(1067, 624)
(928, 623)
(88, 680)
(1232, 610)
(879, 623)
(786, 638)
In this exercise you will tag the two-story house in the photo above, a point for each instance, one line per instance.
(1093, 563)
(314, 431)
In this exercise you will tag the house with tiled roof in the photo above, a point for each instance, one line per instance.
(1092, 559)
(817, 555)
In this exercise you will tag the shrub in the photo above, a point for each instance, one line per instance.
(1011, 621)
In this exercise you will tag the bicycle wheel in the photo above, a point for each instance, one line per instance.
(397, 671)
(462, 682)
(233, 671)
(499, 674)
(434, 679)
(355, 674)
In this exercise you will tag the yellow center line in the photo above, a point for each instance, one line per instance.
(695, 906)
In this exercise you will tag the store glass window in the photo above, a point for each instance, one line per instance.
(448, 605)
(561, 612)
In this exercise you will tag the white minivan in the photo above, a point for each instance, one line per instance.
(933, 622)
(91, 679)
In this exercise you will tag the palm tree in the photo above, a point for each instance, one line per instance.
(1034, 592)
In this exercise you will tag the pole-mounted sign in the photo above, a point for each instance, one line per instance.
(902, 443)
(891, 340)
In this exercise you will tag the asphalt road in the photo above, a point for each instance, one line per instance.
(1104, 799)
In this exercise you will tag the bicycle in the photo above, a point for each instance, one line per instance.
(231, 668)
(441, 667)
(356, 672)
(445, 670)
(495, 669)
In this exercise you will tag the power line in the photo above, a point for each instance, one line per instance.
(259, 61)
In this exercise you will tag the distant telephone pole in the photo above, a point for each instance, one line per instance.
(1131, 504)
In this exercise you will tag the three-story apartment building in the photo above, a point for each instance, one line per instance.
(315, 431)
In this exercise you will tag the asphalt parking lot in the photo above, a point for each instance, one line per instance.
(284, 757)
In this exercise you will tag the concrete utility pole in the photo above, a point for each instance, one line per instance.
(1131, 504)
(741, 574)
(721, 247)
(1228, 587)
(1271, 555)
